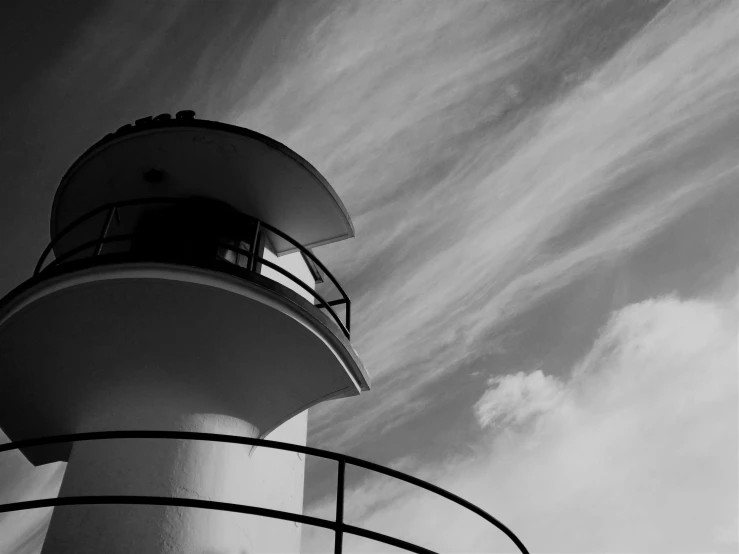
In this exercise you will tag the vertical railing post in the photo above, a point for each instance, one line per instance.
(339, 537)
(348, 314)
(255, 247)
(106, 227)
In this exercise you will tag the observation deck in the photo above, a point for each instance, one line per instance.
(194, 232)
(338, 525)
(179, 279)
(177, 300)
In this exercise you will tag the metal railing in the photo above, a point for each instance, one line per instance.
(113, 212)
(337, 525)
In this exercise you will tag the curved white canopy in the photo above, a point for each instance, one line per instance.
(189, 157)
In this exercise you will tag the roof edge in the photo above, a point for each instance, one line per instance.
(187, 119)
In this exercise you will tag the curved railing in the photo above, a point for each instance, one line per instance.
(337, 525)
(112, 211)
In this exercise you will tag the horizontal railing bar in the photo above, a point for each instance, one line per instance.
(182, 435)
(308, 253)
(166, 501)
(120, 238)
(307, 288)
(441, 492)
(339, 302)
(96, 211)
(294, 279)
(186, 435)
(381, 537)
(89, 244)
(324, 303)
(139, 500)
(67, 229)
(163, 200)
(280, 270)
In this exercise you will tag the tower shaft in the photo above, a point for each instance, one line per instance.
(177, 468)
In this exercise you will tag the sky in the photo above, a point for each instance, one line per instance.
(545, 274)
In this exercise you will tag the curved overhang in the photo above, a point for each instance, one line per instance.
(127, 336)
(179, 158)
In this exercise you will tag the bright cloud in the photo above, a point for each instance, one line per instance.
(517, 398)
(635, 452)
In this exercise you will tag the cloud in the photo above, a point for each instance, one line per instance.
(635, 452)
(514, 399)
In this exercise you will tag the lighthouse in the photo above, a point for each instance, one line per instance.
(173, 334)
(178, 293)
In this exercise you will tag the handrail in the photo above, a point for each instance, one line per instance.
(323, 302)
(120, 238)
(338, 525)
(210, 505)
(320, 265)
(114, 209)
(89, 215)
(308, 253)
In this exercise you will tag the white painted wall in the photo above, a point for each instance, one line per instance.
(293, 263)
(279, 476)
(276, 481)
(190, 469)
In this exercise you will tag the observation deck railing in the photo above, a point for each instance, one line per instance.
(337, 525)
(113, 210)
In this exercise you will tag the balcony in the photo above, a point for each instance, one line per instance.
(337, 525)
(183, 298)
(196, 232)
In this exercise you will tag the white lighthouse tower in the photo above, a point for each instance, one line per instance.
(178, 294)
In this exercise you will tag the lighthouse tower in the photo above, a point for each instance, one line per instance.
(178, 293)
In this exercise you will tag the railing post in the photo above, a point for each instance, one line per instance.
(348, 314)
(255, 247)
(105, 230)
(339, 537)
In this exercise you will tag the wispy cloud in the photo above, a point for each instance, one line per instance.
(518, 215)
(516, 398)
(635, 452)
(468, 139)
